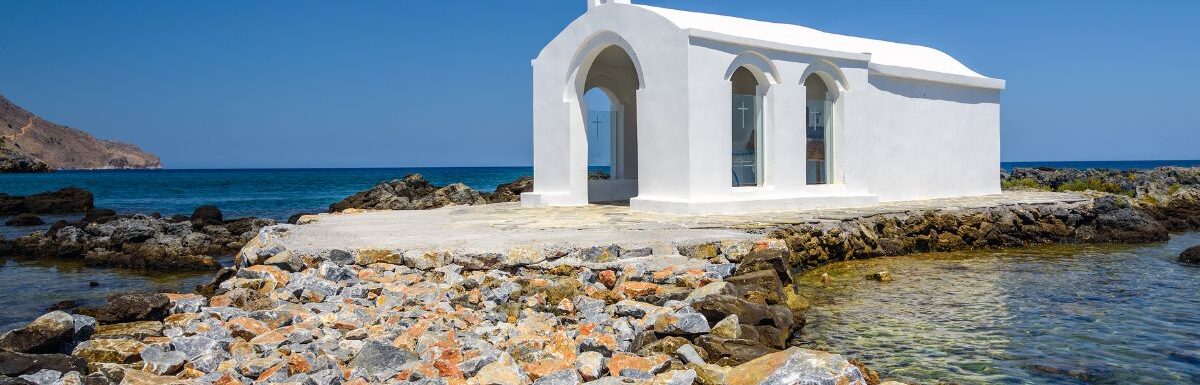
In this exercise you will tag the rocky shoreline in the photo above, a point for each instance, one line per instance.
(716, 313)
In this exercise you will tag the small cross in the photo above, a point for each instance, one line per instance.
(597, 122)
(743, 109)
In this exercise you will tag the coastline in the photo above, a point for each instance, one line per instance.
(747, 277)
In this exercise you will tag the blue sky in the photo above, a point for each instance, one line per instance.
(446, 83)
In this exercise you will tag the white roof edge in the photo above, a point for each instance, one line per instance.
(884, 57)
(752, 42)
(939, 77)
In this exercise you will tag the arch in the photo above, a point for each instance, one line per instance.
(747, 134)
(581, 62)
(762, 67)
(607, 63)
(828, 72)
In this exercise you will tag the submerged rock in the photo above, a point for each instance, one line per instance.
(64, 201)
(123, 308)
(26, 219)
(1190, 256)
(15, 364)
(797, 366)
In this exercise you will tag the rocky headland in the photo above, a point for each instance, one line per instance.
(29, 143)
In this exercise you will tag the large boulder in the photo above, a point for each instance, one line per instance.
(67, 200)
(131, 307)
(1191, 256)
(207, 215)
(796, 366)
(15, 364)
(46, 334)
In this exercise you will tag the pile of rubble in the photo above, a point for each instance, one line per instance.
(341, 317)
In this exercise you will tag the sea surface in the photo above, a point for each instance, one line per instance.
(1060, 315)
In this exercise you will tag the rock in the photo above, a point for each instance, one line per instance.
(161, 361)
(381, 360)
(630, 365)
(881, 276)
(138, 377)
(709, 374)
(42, 377)
(46, 334)
(796, 366)
(683, 322)
(636, 289)
(207, 215)
(1190, 256)
(675, 377)
(689, 355)
(64, 305)
(114, 351)
(722, 306)
(726, 351)
(590, 365)
(729, 327)
(243, 298)
(411, 193)
(64, 201)
(132, 330)
(25, 220)
(562, 377)
(131, 307)
(502, 372)
(511, 192)
(15, 364)
(13, 160)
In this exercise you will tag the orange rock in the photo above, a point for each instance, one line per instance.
(622, 361)
(298, 364)
(543, 368)
(663, 274)
(227, 379)
(608, 278)
(447, 363)
(276, 273)
(635, 289)
(246, 328)
(269, 372)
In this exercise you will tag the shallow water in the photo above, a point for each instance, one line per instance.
(1063, 314)
(27, 288)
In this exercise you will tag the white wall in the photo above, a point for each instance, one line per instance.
(893, 138)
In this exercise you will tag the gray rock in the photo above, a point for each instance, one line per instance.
(381, 360)
(193, 347)
(43, 377)
(562, 377)
(161, 361)
(688, 354)
(676, 377)
(683, 322)
(798, 366)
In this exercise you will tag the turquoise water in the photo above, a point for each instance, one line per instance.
(1060, 315)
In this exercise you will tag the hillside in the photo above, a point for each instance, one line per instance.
(25, 135)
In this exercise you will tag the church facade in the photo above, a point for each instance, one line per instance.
(691, 113)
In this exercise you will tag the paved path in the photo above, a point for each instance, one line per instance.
(501, 228)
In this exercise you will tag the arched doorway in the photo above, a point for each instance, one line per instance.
(610, 115)
(819, 150)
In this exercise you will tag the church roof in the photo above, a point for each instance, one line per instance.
(784, 36)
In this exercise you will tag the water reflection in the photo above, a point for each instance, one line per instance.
(1109, 314)
(27, 288)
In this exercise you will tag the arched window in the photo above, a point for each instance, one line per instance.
(819, 146)
(747, 129)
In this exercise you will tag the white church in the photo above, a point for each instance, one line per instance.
(693, 113)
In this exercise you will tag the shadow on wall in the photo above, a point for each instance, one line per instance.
(936, 91)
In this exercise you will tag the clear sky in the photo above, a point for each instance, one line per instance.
(447, 83)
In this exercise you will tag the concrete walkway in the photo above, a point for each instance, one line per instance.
(502, 228)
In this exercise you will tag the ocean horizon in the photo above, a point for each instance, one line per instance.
(279, 193)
